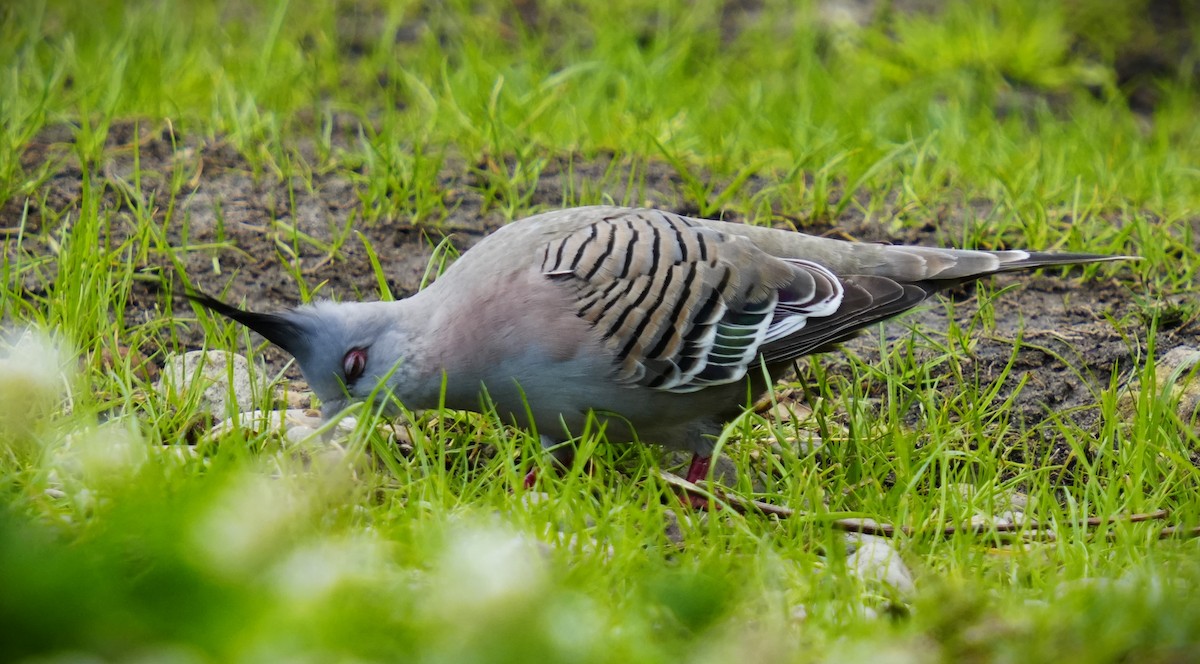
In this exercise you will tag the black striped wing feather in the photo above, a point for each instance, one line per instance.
(867, 300)
(682, 306)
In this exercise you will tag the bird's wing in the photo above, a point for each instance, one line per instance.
(682, 306)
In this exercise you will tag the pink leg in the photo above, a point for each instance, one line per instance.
(699, 468)
(696, 473)
(563, 456)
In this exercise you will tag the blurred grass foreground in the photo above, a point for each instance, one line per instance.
(129, 532)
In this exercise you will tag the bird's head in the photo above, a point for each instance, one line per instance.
(345, 350)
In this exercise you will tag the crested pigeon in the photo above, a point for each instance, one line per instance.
(657, 324)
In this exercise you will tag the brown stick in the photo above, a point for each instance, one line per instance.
(1029, 530)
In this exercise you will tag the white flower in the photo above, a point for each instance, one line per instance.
(36, 372)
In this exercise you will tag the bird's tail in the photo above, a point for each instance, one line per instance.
(901, 263)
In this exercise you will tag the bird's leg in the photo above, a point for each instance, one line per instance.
(696, 472)
(699, 468)
(531, 477)
(562, 453)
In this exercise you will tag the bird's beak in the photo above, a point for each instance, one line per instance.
(279, 329)
(333, 407)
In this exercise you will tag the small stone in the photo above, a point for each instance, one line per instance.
(1010, 518)
(35, 374)
(1019, 501)
(329, 455)
(963, 490)
(1177, 360)
(725, 471)
(299, 434)
(181, 452)
(1176, 371)
(256, 421)
(218, 380)
(991, 506)
(979, 521)
(875, 560)
(790, 411)
(534, 498)
(671, 527)
(294, 399)
(293, 425)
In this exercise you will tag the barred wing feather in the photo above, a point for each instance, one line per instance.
(682, 306)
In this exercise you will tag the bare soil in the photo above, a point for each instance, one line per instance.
(239, 225)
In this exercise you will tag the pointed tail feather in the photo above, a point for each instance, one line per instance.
(967, 265)
(1039, 259)
(902, 263)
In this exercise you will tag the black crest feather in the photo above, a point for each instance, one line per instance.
(277, 329)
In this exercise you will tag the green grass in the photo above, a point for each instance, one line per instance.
(989, 121)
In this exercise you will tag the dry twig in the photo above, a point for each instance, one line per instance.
(1029, 530)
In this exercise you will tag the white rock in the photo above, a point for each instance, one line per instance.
(1177, 361)
(298, 434)
(294, 424)
(1011, 518)
(1019, 501)
(980, 521)
(790, 411)
(875, 559)
(217, 379)
(1174, 372)
(989, 506)
(531, 498)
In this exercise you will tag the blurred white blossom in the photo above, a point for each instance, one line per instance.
(97, 455)
(36, 372)
(311, 572)
(486, 569)
(247, 521)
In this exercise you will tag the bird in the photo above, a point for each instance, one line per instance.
(658, 326)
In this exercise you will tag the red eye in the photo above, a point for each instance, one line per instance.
(354, 364)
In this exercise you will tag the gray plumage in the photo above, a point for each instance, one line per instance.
(655, 322)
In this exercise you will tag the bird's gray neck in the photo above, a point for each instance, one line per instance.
(452, 347)
(411, 334)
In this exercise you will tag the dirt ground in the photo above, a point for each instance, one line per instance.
(1072, 346)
